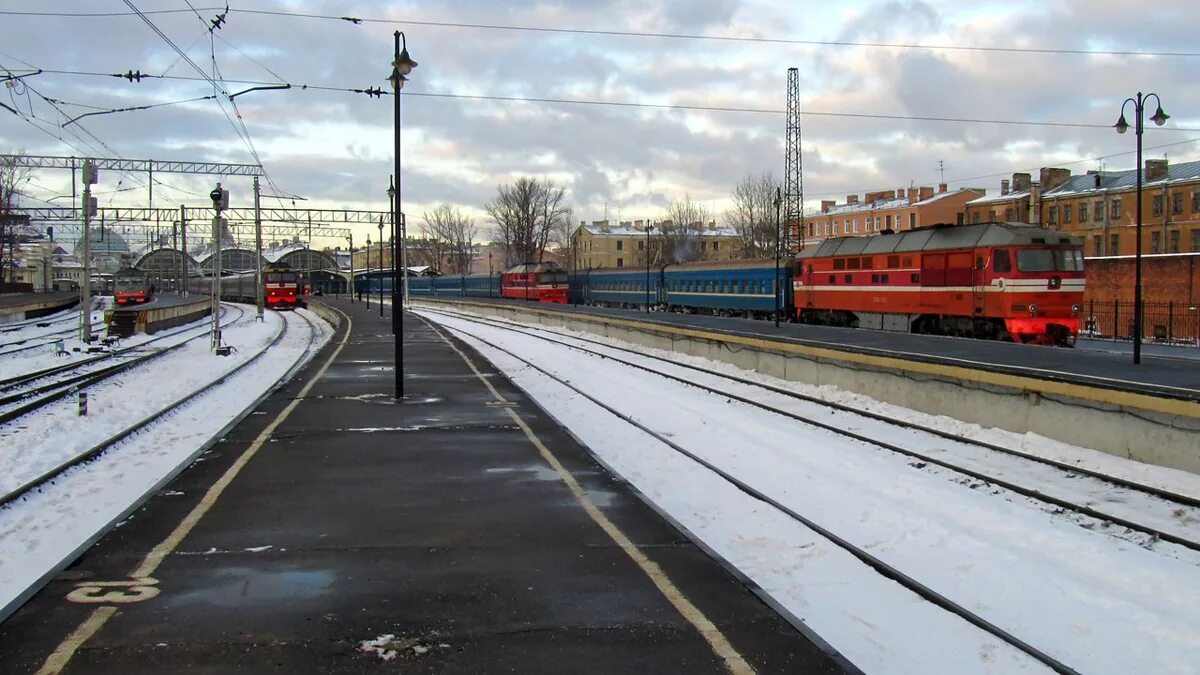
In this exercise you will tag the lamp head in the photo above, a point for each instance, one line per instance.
(403, 63)
(397, 79)
(1159, 117)
(1121, 126)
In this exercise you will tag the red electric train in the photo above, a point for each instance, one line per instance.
(543, 282)
(1004, 281)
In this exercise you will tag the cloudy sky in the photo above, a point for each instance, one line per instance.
(706, 80)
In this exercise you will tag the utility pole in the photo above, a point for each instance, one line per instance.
(85, 295)
(220, 199)
(184, 250)
(258, 279)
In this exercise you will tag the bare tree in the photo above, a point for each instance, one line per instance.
(753, 214)
(453, 234)
(681, 231)
(526, 213)
(12, 178)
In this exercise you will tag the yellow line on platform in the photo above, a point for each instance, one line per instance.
(720, 645)
(63, 653)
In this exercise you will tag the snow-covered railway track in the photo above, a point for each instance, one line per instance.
(778, 506)
(37, 477)
(1145, 513)
(29, 392)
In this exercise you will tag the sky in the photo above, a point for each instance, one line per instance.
(866, 69)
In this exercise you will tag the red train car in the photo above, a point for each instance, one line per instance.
(1004, 281)
(131, 288)
(543, 282)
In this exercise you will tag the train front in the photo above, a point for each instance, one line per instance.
(1041, 292)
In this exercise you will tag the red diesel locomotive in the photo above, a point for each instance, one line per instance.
(1003, 281)
(543, 282)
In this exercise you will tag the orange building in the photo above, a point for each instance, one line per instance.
(903, 209)
(1100, 206)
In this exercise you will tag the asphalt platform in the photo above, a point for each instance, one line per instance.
(428, 535)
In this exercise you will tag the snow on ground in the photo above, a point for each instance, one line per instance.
(45, 529)
(1100, 604)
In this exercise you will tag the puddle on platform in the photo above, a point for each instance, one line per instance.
(537, 471)
(237, 586)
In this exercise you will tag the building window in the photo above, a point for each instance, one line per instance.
(1008, 215)
(620, 262)
(1155, 242)
(620, 247)
(974, 220)
(1196, 240)
(1066, 213)
(716, 245)
(992, 216)
(1177, 203)
(1083, 213)
(887, 222)
(1115, 213)
(1052, 218)
(1098, 213)
(1195, 202)
(1114, 244)
(1157, 205)
(641, 245)
(1098, 245)
(1174, 238)
(912, 220)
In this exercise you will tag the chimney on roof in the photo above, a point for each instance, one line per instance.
(912, 195)
(827, 204)
(1004, 187)
(1051, 178)
(851, 199)
(1021, 182)
(899, 193)
(924, 192)
(941, 187)
(1156, 169)
(1096, 180)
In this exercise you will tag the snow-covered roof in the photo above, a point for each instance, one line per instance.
(886, 204)
(627, 229)
(1119, 180)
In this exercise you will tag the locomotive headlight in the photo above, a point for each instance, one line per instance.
(1033, 310)
(1075, 309)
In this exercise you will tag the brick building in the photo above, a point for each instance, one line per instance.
(1099, 207)
(903, 209)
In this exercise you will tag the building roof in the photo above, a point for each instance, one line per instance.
(628, 229)
(1121, 180)
(885, 204)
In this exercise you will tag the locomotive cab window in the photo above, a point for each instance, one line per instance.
(1035, 260)
(1001, 262)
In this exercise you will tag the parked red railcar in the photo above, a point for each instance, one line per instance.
(543, 282)
(1005, 281)
(131, 287)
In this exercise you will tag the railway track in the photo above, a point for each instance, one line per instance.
(875, 563)
(42, 339)
(23, 392)
(1148, 514)
(41, 479)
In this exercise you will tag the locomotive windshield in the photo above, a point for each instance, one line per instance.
(1049, 260)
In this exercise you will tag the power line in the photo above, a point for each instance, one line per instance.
(635, 34)
(634, 104)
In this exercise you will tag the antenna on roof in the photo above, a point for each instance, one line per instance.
(941, 172)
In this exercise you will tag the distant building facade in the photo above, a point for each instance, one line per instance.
(634, 243)
(1100, 207)
(903, 209)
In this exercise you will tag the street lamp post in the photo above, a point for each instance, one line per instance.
(1159, 118)
(391, 191)
(649, 229)
(775, 284)
(381, 267)
(367, 272)
(402, 65)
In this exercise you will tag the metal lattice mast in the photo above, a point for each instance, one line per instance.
(793, 175)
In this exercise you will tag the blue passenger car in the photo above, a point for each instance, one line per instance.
(745, 287)
(620, 287)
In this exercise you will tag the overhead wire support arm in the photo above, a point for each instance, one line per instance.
(132, 165)
(262, 88)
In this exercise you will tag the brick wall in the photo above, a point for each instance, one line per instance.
(1165, 278)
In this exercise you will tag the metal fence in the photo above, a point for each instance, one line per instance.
(1165, 322)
